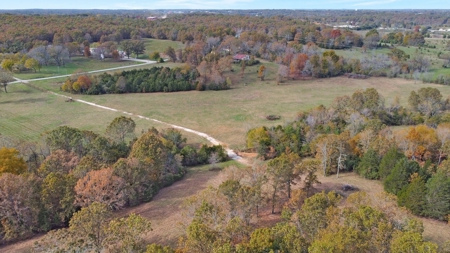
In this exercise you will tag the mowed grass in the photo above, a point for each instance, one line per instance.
(26, 113)
(152, 45)
(77, 63)
(228, 115)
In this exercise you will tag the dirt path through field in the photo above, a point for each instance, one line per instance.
(211, 139)
(145, 62)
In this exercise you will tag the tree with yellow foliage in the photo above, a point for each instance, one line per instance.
(10, 162)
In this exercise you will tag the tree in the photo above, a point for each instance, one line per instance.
(155, 56)
(115, 55)
(120, 127)
(33, 64)
(127, 47)
(65, 138)
(58, 197)
(283, 73)
(369, 165)
(5, 78)
(150, 148)
(243, 66)
(138, 47)
(427, 101)
(310, 167)
(398, 178)
(121, 84)
(140, 184)
(91, 230)
(312, 217)
(171, 53)
(59, 161)
(126, 234)
(156, 248)
(372, 38)
(438, 196)
(10, 162)
(101, 186)
(19, 209)
(388, 162)
(7, 64)
(412, 196)
(410, 241)
(59, 54)
(262, 72)
(86, 51)
(90, 225)
(398, 55)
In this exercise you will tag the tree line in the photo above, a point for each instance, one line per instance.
(44, 186)
(156, 79)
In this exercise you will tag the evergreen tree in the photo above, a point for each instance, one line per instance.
(438, 196)
(412, 196)
(398, 178)
(388, 162)
(368, 167)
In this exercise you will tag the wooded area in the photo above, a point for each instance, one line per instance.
(71, 184)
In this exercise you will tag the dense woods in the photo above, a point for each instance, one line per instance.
(43, 188)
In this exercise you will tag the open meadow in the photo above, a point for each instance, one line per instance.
(228, 115)
(26, 113)
(152, 45)
(76, 64)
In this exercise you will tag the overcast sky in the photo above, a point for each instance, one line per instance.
(228, 4)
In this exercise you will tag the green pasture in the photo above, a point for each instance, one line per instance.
(228, 115)
(26, 113)
(152, 45)
(77, 63)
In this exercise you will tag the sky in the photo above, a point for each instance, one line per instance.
(228, 4)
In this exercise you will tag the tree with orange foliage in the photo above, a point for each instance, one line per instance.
(297, 65)
(101, 186)
(423, 142)
(84, 82)
(87, 51)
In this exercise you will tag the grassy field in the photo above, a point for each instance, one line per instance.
(228, 115)
(77, 63)
(26, 113)
(160, 46)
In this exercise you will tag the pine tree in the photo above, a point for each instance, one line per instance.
(388, 162)
(368, 167)
(438, 196)
(412, 196)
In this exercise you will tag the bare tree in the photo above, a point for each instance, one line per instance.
(41, 54)
(59, 54)
(5, 78)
